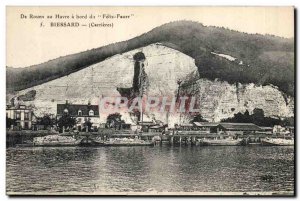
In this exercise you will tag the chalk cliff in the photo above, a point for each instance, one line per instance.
(164, 66)
(219, 100)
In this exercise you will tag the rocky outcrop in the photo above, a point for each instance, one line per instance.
(28, 96)
(220, 100)
(163, 67)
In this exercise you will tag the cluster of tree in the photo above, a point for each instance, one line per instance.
(88, 124)
(47, 121)
(114, 121)
(10, 122)
(266, 59)
(259, 119)
(66, 122)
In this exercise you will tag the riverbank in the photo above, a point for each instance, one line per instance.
(24, 137)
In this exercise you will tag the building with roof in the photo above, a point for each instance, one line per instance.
(22, 115)
(239, 128)
(268, 130)
(144, 125)
(82, 113)
(157, 128)
(209, 127)
(184, 127)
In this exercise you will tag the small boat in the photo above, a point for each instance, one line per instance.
(221, 142)
(277, 142)
(56, 140)
(92, 142)
(254, 143)
(127, 142)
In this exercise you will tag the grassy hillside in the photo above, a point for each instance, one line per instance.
(266, 59)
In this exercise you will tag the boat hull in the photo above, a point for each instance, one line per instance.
(56, 145)
(127, 144)
(55, 141)
(116, 142)
(277, 142)
(221, 142)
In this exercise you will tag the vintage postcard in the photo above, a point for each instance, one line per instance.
(150, 101)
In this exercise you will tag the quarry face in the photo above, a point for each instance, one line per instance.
(163, 67)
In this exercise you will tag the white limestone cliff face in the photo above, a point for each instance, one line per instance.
(220, 100)
(163, 66)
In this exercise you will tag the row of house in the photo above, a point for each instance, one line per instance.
(25, 119)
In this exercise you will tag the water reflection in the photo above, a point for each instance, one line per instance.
(122, 169)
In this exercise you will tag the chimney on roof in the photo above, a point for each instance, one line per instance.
(12, 102)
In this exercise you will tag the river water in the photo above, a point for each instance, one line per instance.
(149, 169)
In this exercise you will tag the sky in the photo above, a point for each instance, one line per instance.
(28, 43)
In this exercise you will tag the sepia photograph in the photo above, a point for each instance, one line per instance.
(152, 101)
